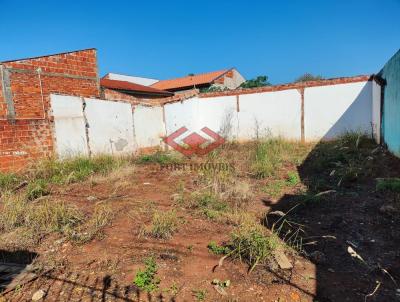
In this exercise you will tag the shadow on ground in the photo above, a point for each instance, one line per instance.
(77, 287)
(13, 265)
(343, 224)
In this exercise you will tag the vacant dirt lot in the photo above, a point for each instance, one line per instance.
(141, 230)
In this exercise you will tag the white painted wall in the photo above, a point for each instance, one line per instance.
(332, 110)
(149, 126)
(69, 126)
(219, 114)
(329, 111)
(277, 113)
(110, 127)
(376, 111)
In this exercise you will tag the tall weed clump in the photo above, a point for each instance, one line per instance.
(268, 156)
(76, 169)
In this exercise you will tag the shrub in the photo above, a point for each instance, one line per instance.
(146, 279)
(163, 225)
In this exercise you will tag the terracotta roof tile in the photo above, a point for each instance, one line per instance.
(189, 81)
(128, 86)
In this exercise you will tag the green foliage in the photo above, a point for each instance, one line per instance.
(208, 204)
(213, 88)
(292, 178)
(259, 81)
(308, 77)
(37, 188)
(217, 249)
(251, 244)
(268, 155)
(388, 184)
(146, 279)
(200, 294)
(76, 169)
(274, 188)
(8, 180)
(159, 157)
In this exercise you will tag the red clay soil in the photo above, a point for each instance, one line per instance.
(104, 269)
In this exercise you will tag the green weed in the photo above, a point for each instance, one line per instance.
(146, 279)
(217, 249)
(269, 154)
(388, 184)
(36, 189)
(8, 181)
(292, 178)
(200, 294)
(159, 157)
(251, 244)
(208, 204)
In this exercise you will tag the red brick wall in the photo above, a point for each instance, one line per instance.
(28, 136)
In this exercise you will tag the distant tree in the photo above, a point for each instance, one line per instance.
(190, 74)
(309, 77)
(259, 81)
(213, 88)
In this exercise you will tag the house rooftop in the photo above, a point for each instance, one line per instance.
(127, 87)
(191, 80)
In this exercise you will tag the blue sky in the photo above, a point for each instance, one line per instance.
(165, 39)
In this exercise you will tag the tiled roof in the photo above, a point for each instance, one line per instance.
(189, 81)
(128, 86)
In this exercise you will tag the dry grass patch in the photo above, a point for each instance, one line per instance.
(101, 217)
(163, 225)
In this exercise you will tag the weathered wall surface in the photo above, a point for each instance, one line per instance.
(149, 126)
(25, 117)
(84, 126)
(313, 111)
(390, 73)
(69, 126)
(110, 127)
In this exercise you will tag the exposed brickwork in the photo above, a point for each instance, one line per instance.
(113, 95)
(289, 86)
(28, 136)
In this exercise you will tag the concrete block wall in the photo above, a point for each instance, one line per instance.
(25, 114)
